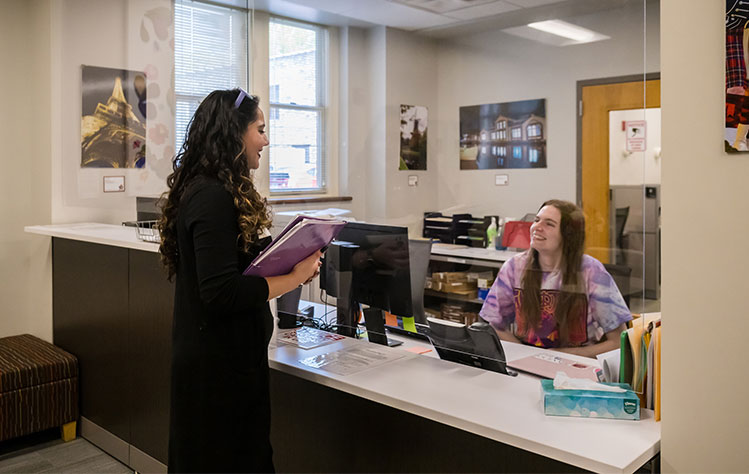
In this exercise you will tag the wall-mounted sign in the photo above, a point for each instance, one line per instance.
(114, 184)
(501, 179)
(636, 134)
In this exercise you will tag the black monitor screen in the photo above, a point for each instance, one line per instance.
(380, 274)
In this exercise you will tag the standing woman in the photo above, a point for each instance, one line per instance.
(553, 295)
(214, 223)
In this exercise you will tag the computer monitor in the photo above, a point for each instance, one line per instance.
(476, 345)
(368, 264)
(419, 253)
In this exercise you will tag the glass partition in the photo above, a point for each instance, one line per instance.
(452, 120)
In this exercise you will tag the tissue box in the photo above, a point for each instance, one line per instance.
(590, 403)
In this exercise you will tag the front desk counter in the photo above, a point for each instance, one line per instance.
(113, 309)
(418, 413)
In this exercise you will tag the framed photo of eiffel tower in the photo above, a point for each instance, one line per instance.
(113, 118)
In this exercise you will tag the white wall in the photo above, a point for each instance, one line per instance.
(705, 420)
(132, 34)
(44, 43)
(497, 67)
(634, 168)
(410, 77)
(371, 167)
(25, 264)
(388, 67)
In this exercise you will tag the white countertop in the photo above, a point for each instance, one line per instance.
(121, 236)
(506, 409)
(107, 234)
(478, 253)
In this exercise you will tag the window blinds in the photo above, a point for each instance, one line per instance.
(210, 52)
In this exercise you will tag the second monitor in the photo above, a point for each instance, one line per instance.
(368, 264)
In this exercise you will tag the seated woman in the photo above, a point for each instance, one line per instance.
(553, 295)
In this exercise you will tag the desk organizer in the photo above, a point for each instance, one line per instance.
(590, 403)
(38, 387)
(463, 229)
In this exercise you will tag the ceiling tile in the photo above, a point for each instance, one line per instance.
(532, 3)
(394, 15)
(443, 6)
(482, 11)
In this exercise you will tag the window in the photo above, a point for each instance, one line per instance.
(503, 134)
(210, 52)
(297, 105)
(502, 124)
(517, 152)
(503, 151)
(533, 155)
(534, 130)
(516, 133)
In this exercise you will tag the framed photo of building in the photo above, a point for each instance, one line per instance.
(113, 120)
(504, 135)
(413, 151)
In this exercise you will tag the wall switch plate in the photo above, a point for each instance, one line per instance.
(413, 180)
(114, 184)
(501, 179)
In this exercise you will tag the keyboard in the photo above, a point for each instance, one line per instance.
(308, 338)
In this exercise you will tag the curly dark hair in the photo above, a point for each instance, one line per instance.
(214, 149)
(572, 229)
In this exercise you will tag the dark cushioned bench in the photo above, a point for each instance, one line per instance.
(38, 387)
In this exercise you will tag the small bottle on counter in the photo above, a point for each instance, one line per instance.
(491, 233)
(500, 228)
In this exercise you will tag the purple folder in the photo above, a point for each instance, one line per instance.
(302, 237)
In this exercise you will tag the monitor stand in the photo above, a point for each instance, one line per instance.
(374, 320)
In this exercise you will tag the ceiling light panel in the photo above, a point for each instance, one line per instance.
(577, 34)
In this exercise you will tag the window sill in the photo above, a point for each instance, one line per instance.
(276, 201)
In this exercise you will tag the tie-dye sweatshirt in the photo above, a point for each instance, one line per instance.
(603, 310)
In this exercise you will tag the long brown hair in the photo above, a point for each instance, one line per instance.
(214, 149)
(572, 228)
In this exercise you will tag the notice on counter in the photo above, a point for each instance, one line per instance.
(353, 359)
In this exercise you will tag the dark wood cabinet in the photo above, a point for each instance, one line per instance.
(151, 303)
(112, 308)
(90, 320)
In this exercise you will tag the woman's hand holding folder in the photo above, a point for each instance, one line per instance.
(311, 263)
(302, 273)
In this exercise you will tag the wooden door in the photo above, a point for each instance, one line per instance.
(597, 102)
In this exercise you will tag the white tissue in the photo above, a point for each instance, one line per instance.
(563, 381)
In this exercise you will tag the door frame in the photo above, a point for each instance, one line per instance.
(581, 85)
(579, 101)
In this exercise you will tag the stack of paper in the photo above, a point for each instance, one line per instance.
(302, 237)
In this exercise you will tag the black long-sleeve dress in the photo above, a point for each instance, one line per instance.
(220, 403)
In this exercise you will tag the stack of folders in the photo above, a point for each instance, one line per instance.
(302, 237)
(640, 364)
